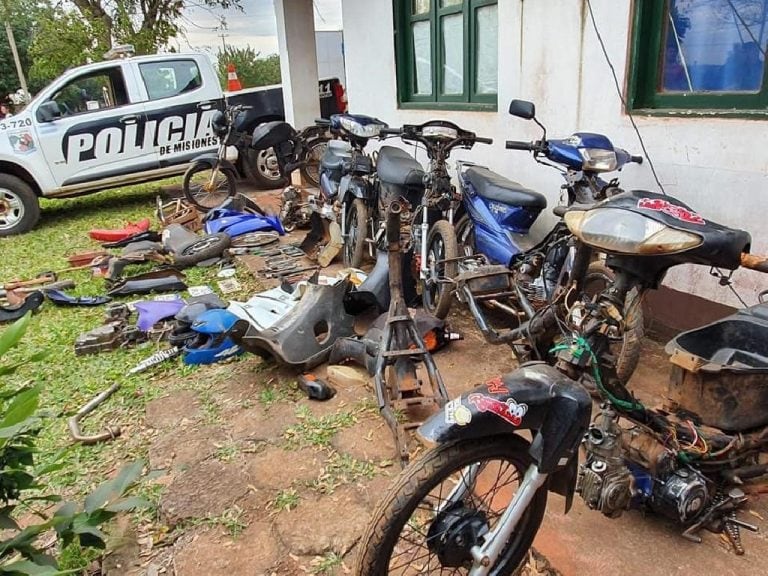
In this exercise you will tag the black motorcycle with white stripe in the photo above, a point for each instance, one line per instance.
(473, 503)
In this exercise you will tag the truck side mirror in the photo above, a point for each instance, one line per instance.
(48, 111)
(522, 109)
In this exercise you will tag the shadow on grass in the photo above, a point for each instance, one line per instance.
(91, 207)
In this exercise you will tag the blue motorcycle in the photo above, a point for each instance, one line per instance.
(502, 265)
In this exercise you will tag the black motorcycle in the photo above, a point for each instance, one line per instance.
(474, 502)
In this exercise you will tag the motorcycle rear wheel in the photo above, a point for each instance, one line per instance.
(205, 195)
(357, 232)
(388, 544)
(437, 290)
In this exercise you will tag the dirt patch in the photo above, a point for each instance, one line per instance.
(342, 515)
(214, 553)
(206, 490)
(275, 468)
(261, 424)
(175, 410)
(369, 439)
(179, 449)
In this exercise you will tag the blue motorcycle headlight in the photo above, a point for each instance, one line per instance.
(598, 159)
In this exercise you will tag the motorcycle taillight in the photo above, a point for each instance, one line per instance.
(341, 97)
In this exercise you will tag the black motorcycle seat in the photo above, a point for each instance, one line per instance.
(494, 186)
(561, 210)
(396, 166)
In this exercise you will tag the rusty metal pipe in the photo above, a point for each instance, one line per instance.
(74, 423)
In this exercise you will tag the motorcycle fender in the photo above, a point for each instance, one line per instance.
(210, 160)
(352, 187)
(535, 397)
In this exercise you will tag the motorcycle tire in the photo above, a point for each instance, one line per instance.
(354, 243)
(313, 153)
(195, 183)
(465, 236)
(437, 297)
(208, 247)
(411, 492)
(628, 353)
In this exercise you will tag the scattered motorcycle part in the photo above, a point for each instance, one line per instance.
(266, 308)
(398, 388)
(110, 336)
(179, 212)
(304, 336)
(20, 294)
(168, 280)
(315, 388)
(155, 359)
(152, 312)
(255, 239)
(213, 342)
(226, 273)
(146, 236)
(199, 290)
(130, 229)
(241, 203)
(229, 285)
(110, 433)
(189, 249)
(42, 278)
(85, 258)
(333, 247)
(31, 303)
(208, 183)
(60, 298)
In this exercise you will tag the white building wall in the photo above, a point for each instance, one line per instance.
(549, 54)
(330, 54)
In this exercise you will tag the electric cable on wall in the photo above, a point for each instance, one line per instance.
(623, 101)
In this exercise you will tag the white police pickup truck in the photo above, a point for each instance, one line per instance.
(124, 121)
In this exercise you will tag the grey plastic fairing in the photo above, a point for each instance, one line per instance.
(304, 336)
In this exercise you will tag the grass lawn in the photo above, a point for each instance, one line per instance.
(69, 381)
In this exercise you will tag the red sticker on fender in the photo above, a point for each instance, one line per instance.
(496, 386)
(678, 212)
(510, 410)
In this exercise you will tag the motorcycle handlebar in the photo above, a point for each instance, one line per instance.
(483, 140)
(519, 145)
(754, 262)
(636, 159)
(390, 131)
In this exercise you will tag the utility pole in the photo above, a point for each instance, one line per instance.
(223, 42)
(14, 50)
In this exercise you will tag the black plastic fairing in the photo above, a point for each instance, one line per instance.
(535, 397)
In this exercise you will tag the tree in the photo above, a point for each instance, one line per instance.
(252, 69)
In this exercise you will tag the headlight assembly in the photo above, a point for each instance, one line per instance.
(626, 232)
(360, 130)
(598, 159)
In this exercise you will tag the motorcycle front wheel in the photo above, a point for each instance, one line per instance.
(425, 522)
(437, 290)
(313, 153)
(357, 232)
(205, 190)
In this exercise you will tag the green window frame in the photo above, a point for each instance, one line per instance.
(650, 21)
(435, 14)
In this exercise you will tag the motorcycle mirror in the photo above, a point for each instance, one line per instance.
(522, 109)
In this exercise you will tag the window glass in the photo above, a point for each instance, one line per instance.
(170, 78)
(487, 72)
(422, 53)
(453, 50)
(713, 46)
(91, 92)
(420, 6)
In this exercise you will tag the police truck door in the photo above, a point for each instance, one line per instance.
(100, 133)
(182, 96)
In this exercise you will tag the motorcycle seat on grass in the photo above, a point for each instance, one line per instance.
(494, 186)
(396, 166)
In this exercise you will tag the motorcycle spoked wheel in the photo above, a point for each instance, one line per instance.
(437, 290)
(627, 350)
(357, 232)
(203, 193)
(405, 535)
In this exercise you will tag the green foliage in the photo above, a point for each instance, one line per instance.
(252, 69)
(74, 524)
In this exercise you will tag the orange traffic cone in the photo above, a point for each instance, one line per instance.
(233, 82)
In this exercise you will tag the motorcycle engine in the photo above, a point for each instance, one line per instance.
(682, 495)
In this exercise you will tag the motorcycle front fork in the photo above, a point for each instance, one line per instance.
(421, 242)
(486, 555)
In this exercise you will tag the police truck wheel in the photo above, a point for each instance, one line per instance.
(261, 167)
(204, 193)
(19, 207)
